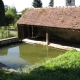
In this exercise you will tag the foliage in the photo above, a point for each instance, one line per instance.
(9, 18)
(51, 3)
(10, 15)
(11, 34)
(18, 16)
(63, 67)
(37, 3)
(6, 75)
(3, 32)
(6, 7)
(23, 11)
(2, 13)
(69, 60)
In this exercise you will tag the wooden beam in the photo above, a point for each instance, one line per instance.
(47, 37)
(28, 32)
(32, 31)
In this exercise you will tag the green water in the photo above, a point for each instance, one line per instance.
(24, 54)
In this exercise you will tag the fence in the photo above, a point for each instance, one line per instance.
(4, 33)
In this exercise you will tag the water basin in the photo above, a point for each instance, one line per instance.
(24, 54)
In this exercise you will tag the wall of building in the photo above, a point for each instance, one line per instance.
(71, 4)
(77, 2)
(72, 35)
(27, 31)
(59, 3)
(66, 34)
(23, 32)
(65, 3)
(41, 31)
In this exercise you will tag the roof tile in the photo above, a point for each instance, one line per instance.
(63, 17)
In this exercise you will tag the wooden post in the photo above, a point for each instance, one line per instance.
(47, 36)
(36, 31)
(18, 27)
(32, 31)
(28, 32)
(21, 32)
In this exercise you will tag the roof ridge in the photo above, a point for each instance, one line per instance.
(66, 6)
(56, 7)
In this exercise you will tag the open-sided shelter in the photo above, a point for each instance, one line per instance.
(54, 22)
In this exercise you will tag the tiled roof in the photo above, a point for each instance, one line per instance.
(62, 17)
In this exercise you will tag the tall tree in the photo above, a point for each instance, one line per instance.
(51, 3)
(37, 3)
(2, 13)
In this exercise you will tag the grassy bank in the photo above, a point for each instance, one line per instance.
(63, 67)
(3, 32)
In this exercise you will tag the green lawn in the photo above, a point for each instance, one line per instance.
(63, 67)
(3, 33)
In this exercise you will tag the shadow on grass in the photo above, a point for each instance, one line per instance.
(6, 75)
(43, 73)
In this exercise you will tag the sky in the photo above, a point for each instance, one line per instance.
(22, 4)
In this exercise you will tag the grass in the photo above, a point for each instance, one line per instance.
(3, 32)
(5, 75)
(63, 67)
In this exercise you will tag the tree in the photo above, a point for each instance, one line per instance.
(6, 7)
(9, 19)
(37, 3)
(10, 15)
(23, 11)
(51, 3)
(2, 13)
(19, 14)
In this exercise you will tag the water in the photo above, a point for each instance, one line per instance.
(23, 54)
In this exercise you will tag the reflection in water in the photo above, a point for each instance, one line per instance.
(26, 54)
(12, 58)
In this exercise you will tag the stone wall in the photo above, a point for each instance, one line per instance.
(8, 40)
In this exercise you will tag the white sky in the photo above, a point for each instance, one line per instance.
(22, 4)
